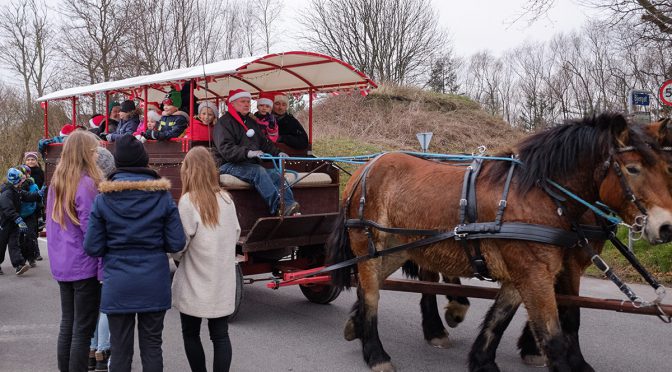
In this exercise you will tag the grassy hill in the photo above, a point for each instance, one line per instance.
(389, 118)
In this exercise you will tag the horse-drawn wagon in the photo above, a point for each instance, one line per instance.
(268, 244)
(394, 227)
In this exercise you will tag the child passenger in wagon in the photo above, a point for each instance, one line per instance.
(173, 122)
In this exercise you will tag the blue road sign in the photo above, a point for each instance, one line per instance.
(640, 98)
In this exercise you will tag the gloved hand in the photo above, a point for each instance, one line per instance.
(22, 225)
(103, 136)
(283, 155)
(251, 154)
(42, 191)
(151, 134)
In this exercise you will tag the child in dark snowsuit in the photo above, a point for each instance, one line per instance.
(11, 223)
(29, 213)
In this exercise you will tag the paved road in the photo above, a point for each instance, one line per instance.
(280, 331)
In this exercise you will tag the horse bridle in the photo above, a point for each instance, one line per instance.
(635, 230)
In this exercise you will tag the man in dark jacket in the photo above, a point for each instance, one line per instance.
(291, 132)
(240, 142)
(11, 223)
(133, 223)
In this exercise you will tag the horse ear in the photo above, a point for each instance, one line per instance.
(617, 124)
(665, 132)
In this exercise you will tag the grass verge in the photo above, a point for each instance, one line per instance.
(656, 259)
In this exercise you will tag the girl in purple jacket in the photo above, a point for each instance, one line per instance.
(73, 188)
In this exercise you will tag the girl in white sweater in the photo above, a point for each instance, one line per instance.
(204, 285)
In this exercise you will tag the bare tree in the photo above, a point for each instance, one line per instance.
(266, 13)
(390, 40)
(25, 36)
(93, 35)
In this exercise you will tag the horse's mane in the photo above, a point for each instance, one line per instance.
(558, 152)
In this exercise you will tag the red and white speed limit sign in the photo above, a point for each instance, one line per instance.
(665, 93)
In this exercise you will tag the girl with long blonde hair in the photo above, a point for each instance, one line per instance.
(204, 284)
(73, 189)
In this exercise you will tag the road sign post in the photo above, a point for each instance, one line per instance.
(639, 105)
(424, 139)
(665, 93)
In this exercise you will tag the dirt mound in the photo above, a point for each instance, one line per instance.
(390, 117)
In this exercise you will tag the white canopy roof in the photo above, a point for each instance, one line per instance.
(294, 71)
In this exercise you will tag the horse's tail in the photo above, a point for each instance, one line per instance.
(411, 270)
(338, 250)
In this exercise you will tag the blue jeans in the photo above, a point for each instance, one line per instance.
(101, 338)
(266, 181)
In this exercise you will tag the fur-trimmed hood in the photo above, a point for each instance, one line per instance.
(161, 184)
(134, 194)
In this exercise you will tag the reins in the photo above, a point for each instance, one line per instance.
(468, 232)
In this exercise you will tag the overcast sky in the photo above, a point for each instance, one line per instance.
(475, 25)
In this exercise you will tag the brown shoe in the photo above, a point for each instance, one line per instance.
(293, 210)
(102, 358)
(92, 360)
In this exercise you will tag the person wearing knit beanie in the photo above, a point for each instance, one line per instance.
(265, 118)
(129, 120)
(208, 113)
(111, 108)
(105, 161)
(207, 104)
(130, 153)
(29, 154)
(291, 132)
(174, 121)
(172, 102)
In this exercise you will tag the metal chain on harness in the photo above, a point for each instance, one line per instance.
(635, 232)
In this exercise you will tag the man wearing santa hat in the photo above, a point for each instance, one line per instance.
(240, 142)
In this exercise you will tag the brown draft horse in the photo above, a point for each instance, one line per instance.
(407, 192)
(575, 261)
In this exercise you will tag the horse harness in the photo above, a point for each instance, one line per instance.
(468, 232)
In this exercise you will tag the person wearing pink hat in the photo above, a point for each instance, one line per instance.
(240, 142)
(265, 118)
(291, 133)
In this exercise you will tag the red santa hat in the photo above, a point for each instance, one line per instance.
(238, 94)
(96, 120)
(266, 99)
(151, 105)
(67, 129)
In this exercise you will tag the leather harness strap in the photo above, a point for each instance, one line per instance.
(468, 214)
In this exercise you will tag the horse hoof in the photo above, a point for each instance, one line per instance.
(455, 313)
(440, 342)
(349, 332)
(535, 361)
(384, 367)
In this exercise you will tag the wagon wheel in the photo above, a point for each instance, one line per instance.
(239, 292)
(317, 293)
(320, 293)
